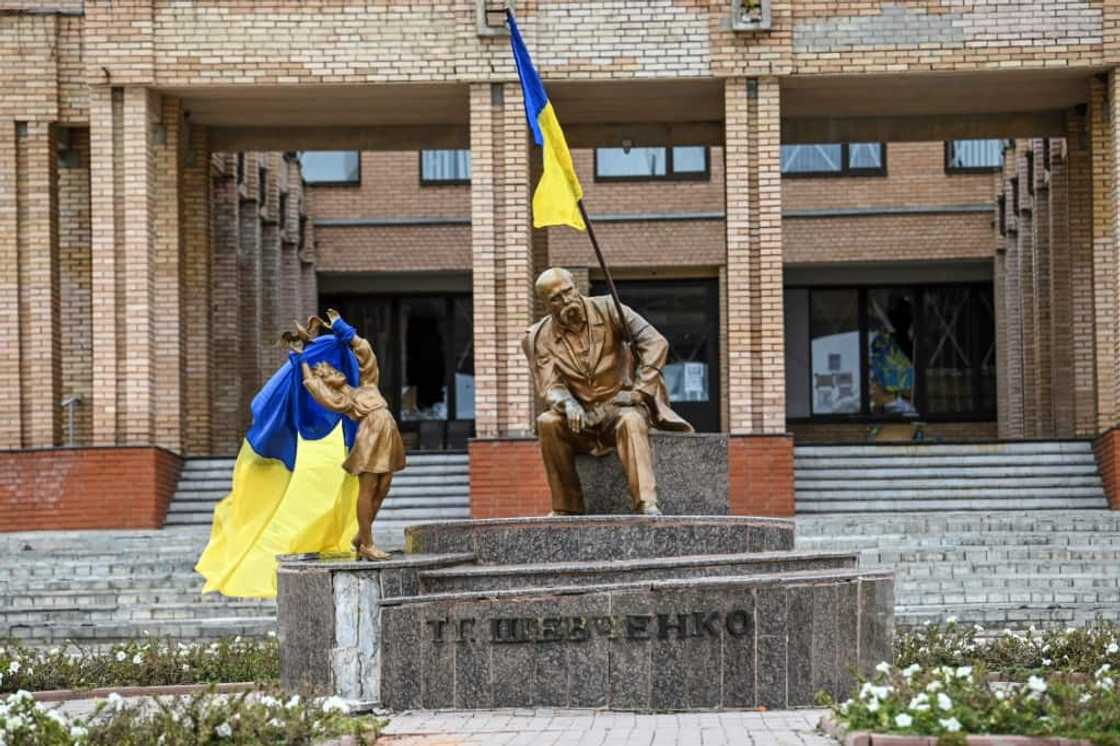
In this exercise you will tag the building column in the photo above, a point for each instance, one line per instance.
(1079, 198)
(755, 345)
(29, 284)
(249, 288)
(196, 240)
(1015, 417)
(223, 314)
(1024, 219)
(1102, 114)
(1043, 308)
(74, 268)
(761, 460)
(502, 259)
(167, 306)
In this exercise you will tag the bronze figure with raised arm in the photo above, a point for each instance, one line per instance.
(601, 392)
(377, 451)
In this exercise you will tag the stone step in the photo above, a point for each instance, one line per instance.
(26, 598)
(1014, 615)
(942, 462)
(945, 489)
(187, 582)
(948, 449)
(565, 574)
(119, 631)
(958, 523)
(1109, 536)
(855, 479)
(11, 617)
(978, 504)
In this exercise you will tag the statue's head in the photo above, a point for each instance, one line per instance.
(556, 288)
(329, 375)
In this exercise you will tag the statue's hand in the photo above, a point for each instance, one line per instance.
(332, 316)
(626, 398)
(576, 415)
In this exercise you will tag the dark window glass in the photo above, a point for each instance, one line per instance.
(835, 159)
(958, 339)
(445, 166)
(891, 344)
(331, 166)
(812, 159)
(834, 331)
(974, 155)
(678, 162)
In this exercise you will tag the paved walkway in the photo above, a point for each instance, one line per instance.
(545, 727)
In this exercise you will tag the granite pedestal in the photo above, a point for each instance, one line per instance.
(690, 468)
(623, 612)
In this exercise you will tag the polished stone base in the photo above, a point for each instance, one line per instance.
(690, 468)
(622, 612)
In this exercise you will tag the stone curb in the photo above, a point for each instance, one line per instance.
(864, 738)
(177, 690)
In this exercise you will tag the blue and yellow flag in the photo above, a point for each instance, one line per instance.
(556, 201)
(290, 493)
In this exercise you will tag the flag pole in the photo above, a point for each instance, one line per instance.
(606, 273)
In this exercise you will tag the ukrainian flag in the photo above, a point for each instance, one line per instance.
(290, 493)
(556, 201)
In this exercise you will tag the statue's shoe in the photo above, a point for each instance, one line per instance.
(650, 509)
(371, 553)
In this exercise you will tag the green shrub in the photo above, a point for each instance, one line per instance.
(141, 662)
(264, 716)
(951, 701)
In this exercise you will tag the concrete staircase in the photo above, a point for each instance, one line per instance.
(434, 486)
(934, 477)
(97, 587)
(997, 569)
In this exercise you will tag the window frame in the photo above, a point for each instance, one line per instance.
(864, 416)
(670, 174)
(357, 182)
(950, 169)
(438, 182)
(846, 171)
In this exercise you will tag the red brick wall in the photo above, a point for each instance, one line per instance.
(86, 488)
(1107, 450)
(507, 478)
(761, 474)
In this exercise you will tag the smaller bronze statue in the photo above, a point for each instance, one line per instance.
(602, 392)
(377, 451)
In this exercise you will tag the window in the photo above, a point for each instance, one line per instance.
(889, 353)
(331, 166)
(972, 156)
(283, 210)
(835, 159)
(680, 162)
(445, 167)
(240, 168)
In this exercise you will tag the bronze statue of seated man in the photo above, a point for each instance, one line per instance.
(602, 393)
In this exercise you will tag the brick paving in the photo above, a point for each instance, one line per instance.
(549, 727)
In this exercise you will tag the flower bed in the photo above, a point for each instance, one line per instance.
(1013, 655)
(949, 702)
(260, 717)
(140, 662)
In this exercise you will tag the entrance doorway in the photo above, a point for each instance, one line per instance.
(686, 312)
(424, 344)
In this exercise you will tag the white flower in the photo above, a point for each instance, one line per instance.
(1102, 670)
(224, 730)
(933, 686)
(276, 723)
(121, 655)
(335, 704)
(137, 659)
(845, 706)
(943, 701)
(52, 651)
(13, 667)
(293, 702)
(902, 720)
(951, 620)
(873, 706)
(272, 633)
(1036, 684)
(116, 702)
(186, 667)
(269, 701)
(964, 672)
(883, 667)
(919, 703)
(1001, 695)
(1046, 661)
(1104, 683)
(978, 628)
(952, 725)
(15, 722)
(77, 732)
(1112, 648)
(1085, 698)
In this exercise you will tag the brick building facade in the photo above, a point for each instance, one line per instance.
(148, 265)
